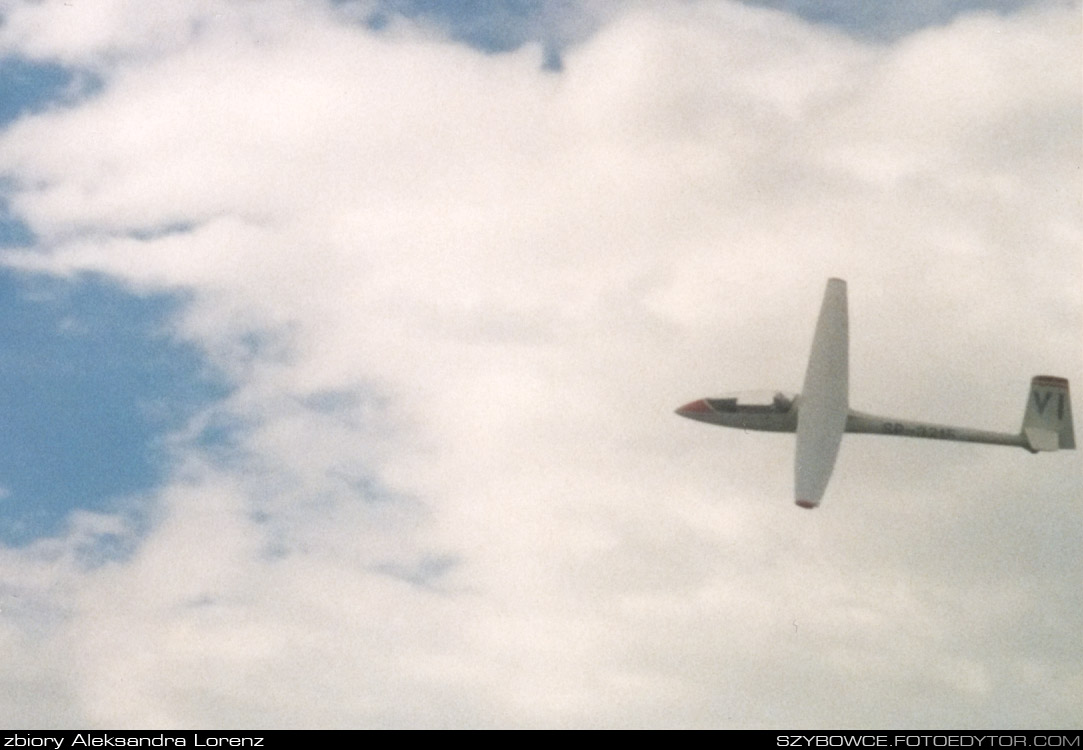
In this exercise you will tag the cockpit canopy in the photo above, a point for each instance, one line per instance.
(753, 402)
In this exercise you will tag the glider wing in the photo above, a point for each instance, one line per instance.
(821, 417)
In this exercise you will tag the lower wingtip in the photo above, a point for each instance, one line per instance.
(807, 504)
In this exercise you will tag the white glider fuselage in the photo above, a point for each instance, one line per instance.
(778, 413)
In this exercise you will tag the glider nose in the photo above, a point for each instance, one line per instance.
(695, 409)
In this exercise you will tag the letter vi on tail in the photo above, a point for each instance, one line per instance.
(1047, 423)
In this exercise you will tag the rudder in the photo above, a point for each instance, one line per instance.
(1047, 422)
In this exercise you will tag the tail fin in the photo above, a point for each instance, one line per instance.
(1047, 423)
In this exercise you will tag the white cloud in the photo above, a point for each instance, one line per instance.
(504, 279)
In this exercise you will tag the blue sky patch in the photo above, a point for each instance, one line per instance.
(885, 20)
(504, 25)
(489, 25)
(13, 233)
(89, 384)
(28, 86)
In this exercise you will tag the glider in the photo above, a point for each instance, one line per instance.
(822, 413)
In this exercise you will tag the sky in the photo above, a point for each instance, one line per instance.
(342, 342)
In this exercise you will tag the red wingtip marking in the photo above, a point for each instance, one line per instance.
(805, 504)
